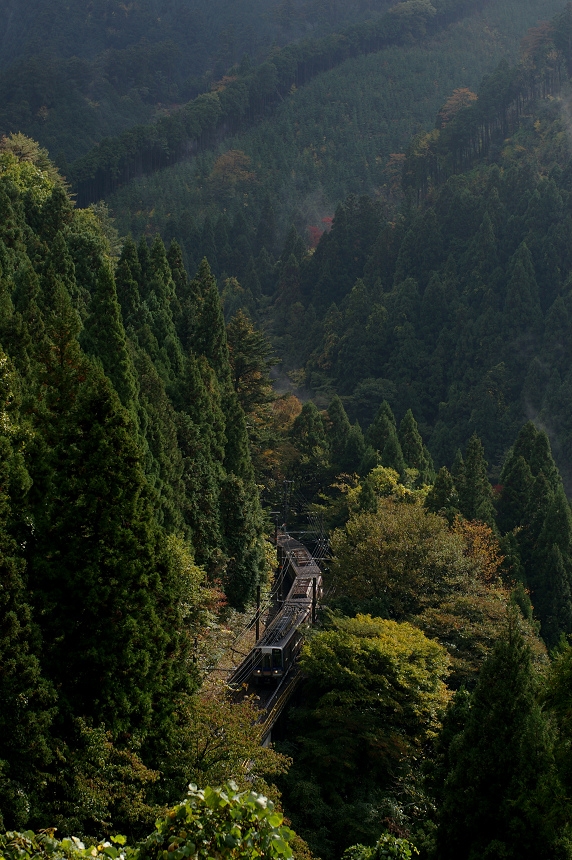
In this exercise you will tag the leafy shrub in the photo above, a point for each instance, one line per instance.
(386, 846)
(215, 822)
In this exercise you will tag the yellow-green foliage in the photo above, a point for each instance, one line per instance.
(385, 483)
(400, 554)
(366, 662)
(27, 165)
(406, 563)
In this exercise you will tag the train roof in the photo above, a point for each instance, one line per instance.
(298, 557)
(289, 618)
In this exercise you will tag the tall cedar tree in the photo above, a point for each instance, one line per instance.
(108, 600)
(251, 358)
(533, 510)
(27, 699)
(104, 336)
(473, 485)
(414, 451)
(338, 430)
(241, 533)
(499, 797)
(382, 436)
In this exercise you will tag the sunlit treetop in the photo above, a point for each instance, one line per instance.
(27, 165)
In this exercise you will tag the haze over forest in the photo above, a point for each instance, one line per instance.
(299, 266)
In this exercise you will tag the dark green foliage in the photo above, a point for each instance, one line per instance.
(355, 450)
(499, 795)
(533, 509)
(99, 570)
(127, 280)
(414, 451)
(518, 482)
(383, 425)
(241, 525)
(210, 332)
(241, 99)
(442, 309)
(550, 572)
(163, 460)
(443, 498)
(473, 485)
(556, 699)
(392, 455)
(117, 449)
(104, 337)
(309, 437)
(338, 430)
(251, 357)
(27, 698)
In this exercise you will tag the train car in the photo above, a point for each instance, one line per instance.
(281, 643)
(278, 648)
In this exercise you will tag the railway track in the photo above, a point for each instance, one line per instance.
(270, 669)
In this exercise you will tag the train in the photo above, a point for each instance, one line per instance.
(277, 649)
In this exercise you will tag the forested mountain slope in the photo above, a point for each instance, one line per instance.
(448, 308)
(333, 136)
(458, 308)
(72, 73)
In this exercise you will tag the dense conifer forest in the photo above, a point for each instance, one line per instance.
(303, 262)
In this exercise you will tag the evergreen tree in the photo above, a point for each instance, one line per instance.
(308, 433)
(415, 453)
(522, 316)
(181, 284)
(27, 699)
(127, 279)
(22, 328)
(557, 699)
(202, 478)
(237, 451)
(59, 268)
(534, 510)
(265, 270)
(550, 574)
(392, 455)
(442, 498)
(499, 796)
(241, 527)
(201, 440)
(210, 332)
(354, 450)
(106, 595)
(208, 244)
(266, 230)
(145, 273)
(381, 428)
(162, 301)
(163, 459)
(517, 485)
(474, 488)
(251, 357)
(104, 337)
(241, 537)
(338, 430)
